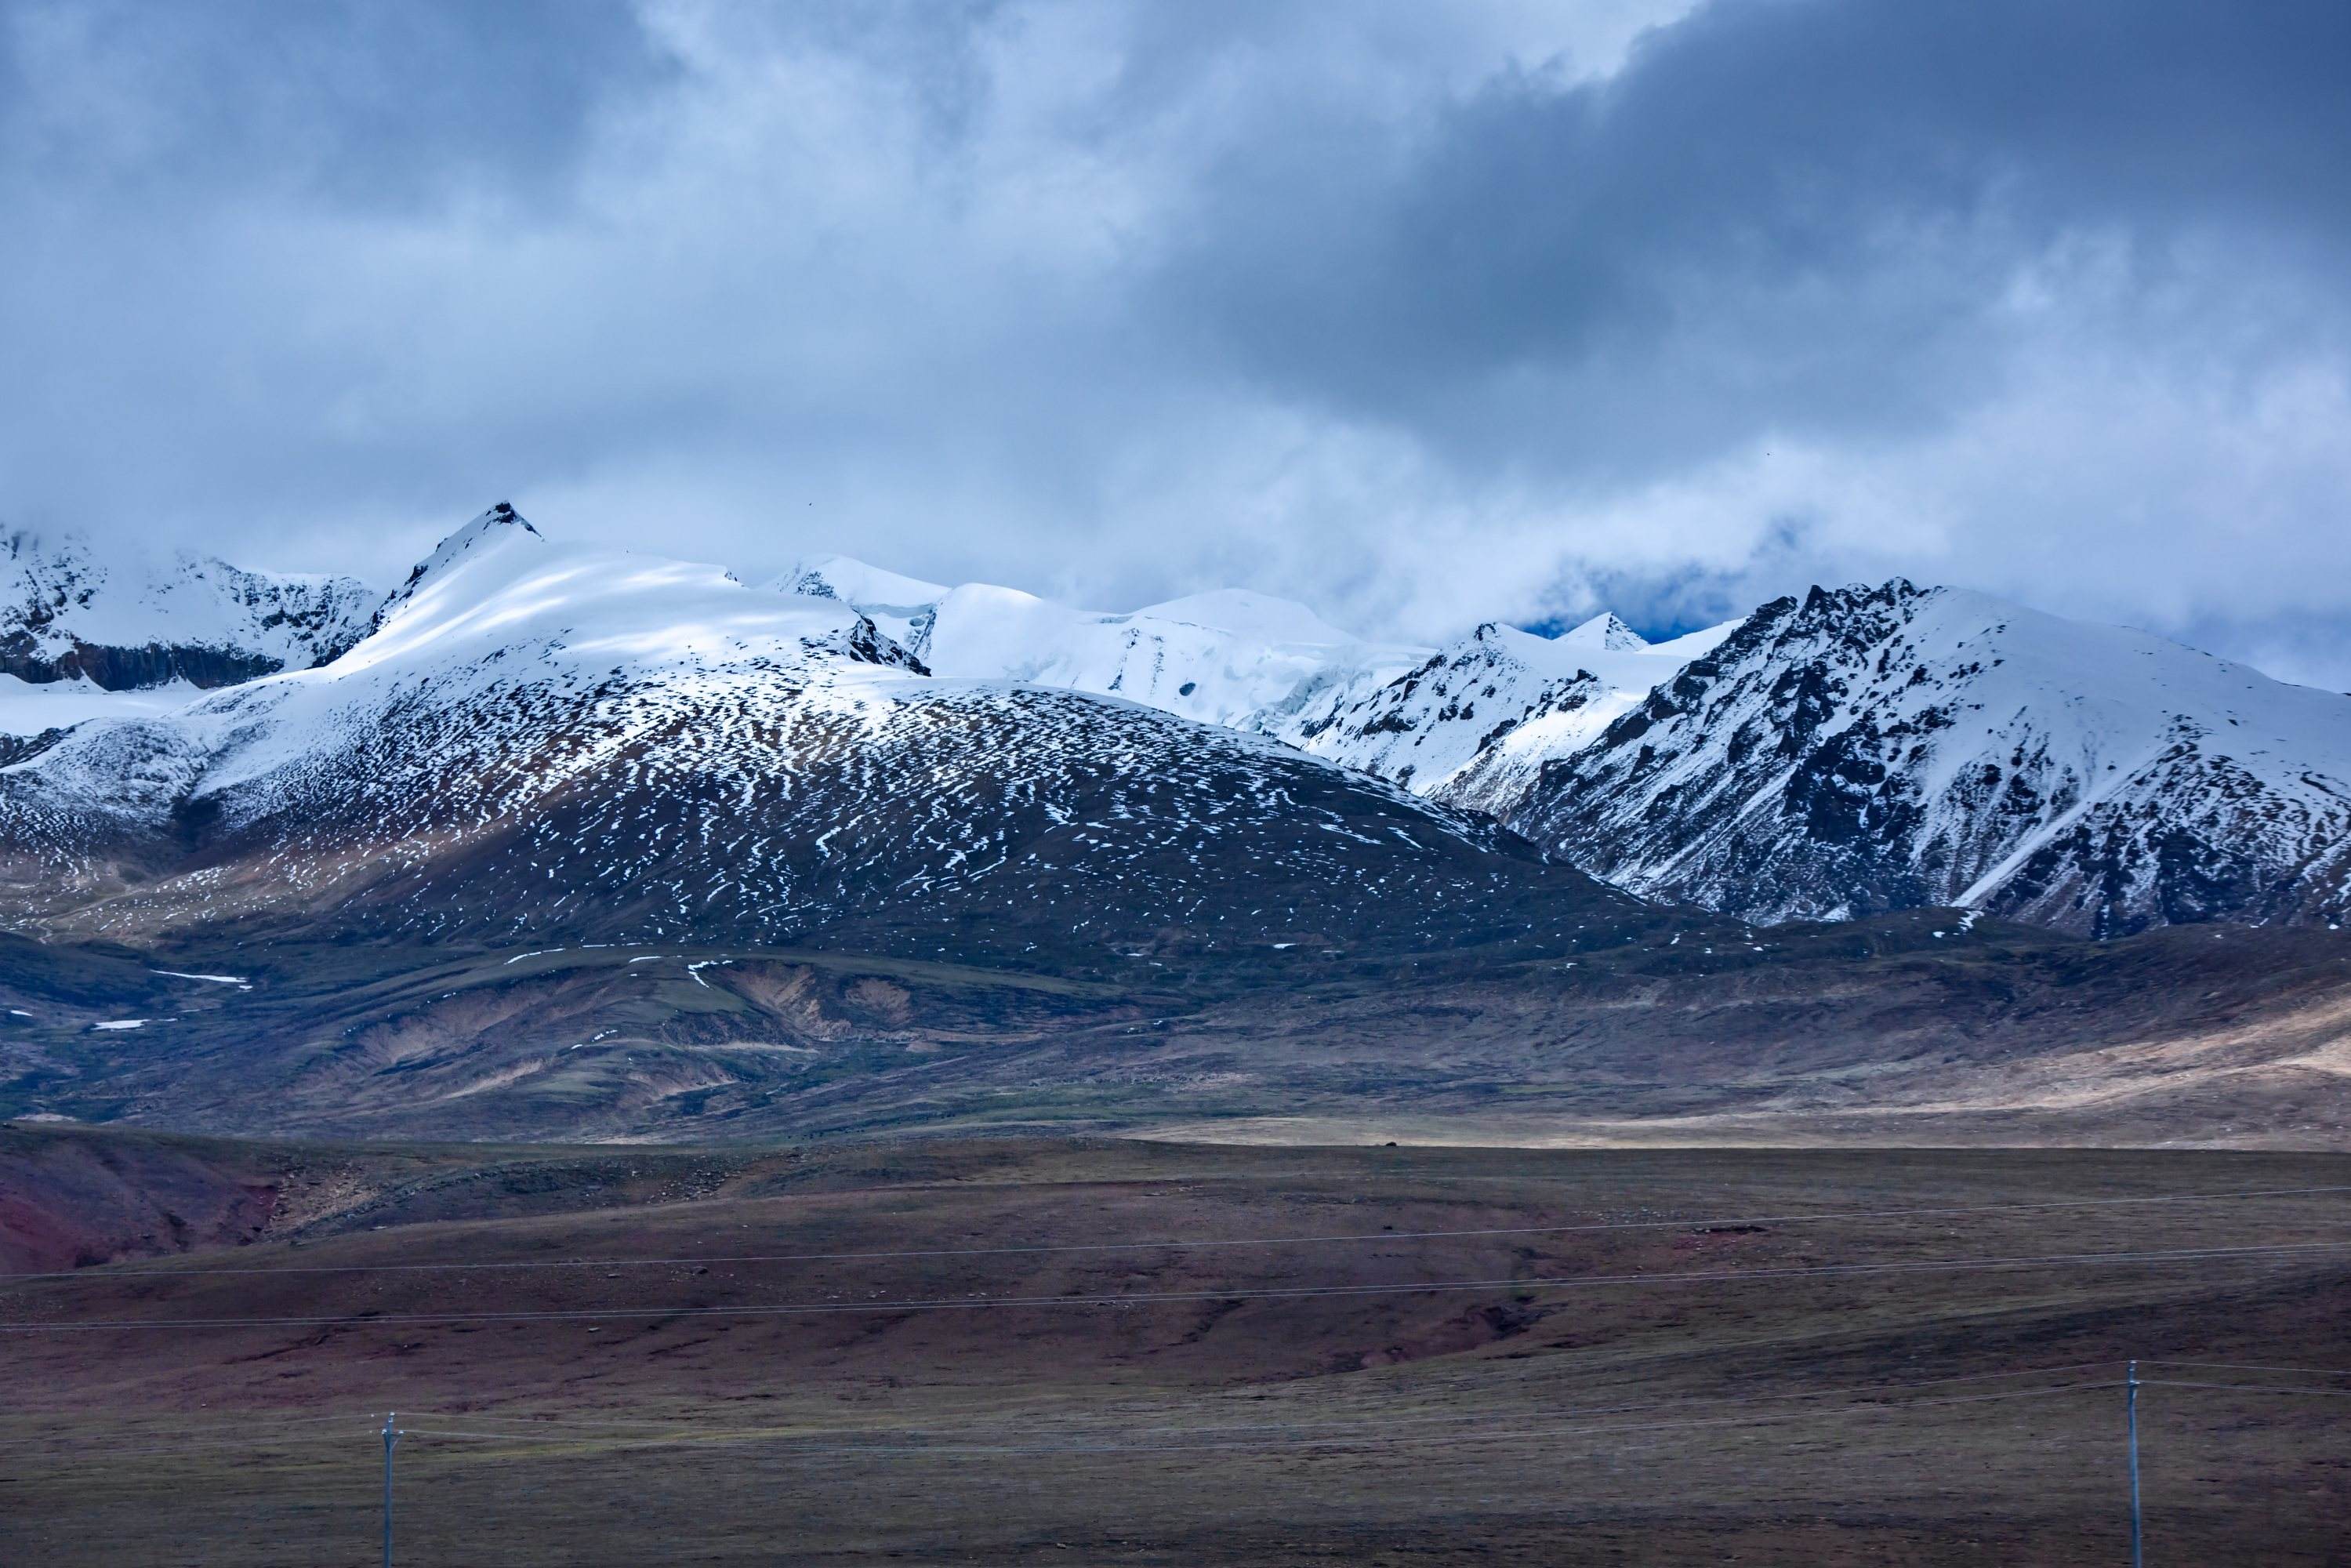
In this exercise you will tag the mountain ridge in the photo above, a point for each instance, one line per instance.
(581, 842)
(557, 741)
(1899, 747)
(1552, 736)
(67, 613)
(1773, 768)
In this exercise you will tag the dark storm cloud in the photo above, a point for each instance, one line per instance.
(365, 104)
(1780, 213)
(1423, 313)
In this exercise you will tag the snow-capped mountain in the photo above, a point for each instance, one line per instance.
(1885, 747)
(539, 742)
(1474, 725)
(78, 630)
(1471, 724)
(1860, 751)
(519, 701)
(1245, 660)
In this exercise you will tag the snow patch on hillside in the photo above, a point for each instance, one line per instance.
(28, 707)
(1230, 657)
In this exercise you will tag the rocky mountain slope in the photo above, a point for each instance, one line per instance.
(1469, 724)
(539, 742)
(572, 833)
(1474, 725)
(1878, 748)
(585, 842)
(1861, 749)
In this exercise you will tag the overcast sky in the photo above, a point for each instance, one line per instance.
(1424, 313)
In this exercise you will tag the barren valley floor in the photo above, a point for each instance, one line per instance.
(999, 1352)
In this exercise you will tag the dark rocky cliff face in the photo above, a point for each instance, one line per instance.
(125, 669)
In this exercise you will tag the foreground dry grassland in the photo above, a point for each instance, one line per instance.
(1067, 1351)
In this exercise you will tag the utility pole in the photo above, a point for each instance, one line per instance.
(2130, 1409)
(391, 1436)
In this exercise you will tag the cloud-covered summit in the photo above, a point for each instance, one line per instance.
(1424, 315)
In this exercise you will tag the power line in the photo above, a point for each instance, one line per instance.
(67, 1455)
(605, 1429)
(667, 1432)
(1342, 1432)
(51, 1442)
(1519, 1284)
(1513, 1433)
(2249, 1388)
(263, 1418)
(606, 1424)
(1211, 1244)
(2252, 1366)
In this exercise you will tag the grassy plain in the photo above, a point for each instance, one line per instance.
(986, 1352)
